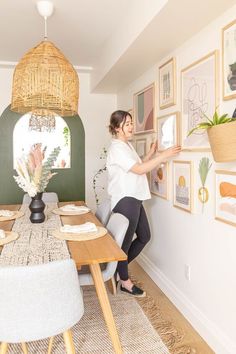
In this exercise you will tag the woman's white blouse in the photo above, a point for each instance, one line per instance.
(121, 181)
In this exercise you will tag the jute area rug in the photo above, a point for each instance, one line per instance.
(91, 337)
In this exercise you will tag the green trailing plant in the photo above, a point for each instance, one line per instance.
(98, 174)
(66, 135)
(216, 120)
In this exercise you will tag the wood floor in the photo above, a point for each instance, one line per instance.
(188, 340)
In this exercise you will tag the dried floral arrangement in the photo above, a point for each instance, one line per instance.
(34, 172)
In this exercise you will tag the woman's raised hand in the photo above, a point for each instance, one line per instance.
(171, 152)
(153, 148)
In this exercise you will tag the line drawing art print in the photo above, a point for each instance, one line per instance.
(167, 84)
(199, 100)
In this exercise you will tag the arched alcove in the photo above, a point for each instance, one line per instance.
(69, 183)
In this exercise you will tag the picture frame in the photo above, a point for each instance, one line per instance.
(225, 196)
(159, 181)
(199, 98)
(183, 185)
(167, 84)
(168, 130)
(141, 147)
(144, 110)
(229, 61)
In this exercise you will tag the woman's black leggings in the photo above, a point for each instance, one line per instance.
(138, 223)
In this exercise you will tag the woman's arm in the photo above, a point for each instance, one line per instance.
(147, 166)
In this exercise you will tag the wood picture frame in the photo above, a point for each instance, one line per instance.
(199, 98)
(229, 61)
(144, 110)
(168, 130)
(167, 84)
(141, 147)
(225, 196)
(159, 181)
(183, 185)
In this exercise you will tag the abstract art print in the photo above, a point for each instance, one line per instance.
(229, 60)
(144, 103)
(159, 183)
(167, 83)
(182, 182)
(225, 200)
(199, 99)
(168, 131)
(141, 147)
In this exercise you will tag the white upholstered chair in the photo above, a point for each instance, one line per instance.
(39, 301)
(103, 211)
(117, 227)
(48, 197)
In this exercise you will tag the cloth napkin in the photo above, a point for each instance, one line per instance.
(73, 207)
(6, 213)
(79, 229)
(2, 234)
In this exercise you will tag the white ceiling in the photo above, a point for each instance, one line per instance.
(107, 36)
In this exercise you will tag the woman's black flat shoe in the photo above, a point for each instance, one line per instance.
(135, 291)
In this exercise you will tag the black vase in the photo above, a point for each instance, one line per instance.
(37, 207)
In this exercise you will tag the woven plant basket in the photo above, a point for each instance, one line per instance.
(45, 79)
(222, 139)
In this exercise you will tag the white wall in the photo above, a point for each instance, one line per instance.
(208, 300)
(94, 110)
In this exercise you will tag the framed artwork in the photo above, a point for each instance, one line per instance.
(182, 182)
(144, 104)
(159, 183)
(167, 84)
(168, 131)
(199, 98)
(141, 147)
(229, 61)
(225, 200)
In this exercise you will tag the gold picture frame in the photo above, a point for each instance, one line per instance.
(168, 130)
(225, 201)
(229, 61)
(167, 84)
(144, 110)
(183, 185)
(199, 98)
(141, 147)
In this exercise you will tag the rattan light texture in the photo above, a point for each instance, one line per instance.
(44, 79)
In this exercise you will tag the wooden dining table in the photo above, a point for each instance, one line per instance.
(91, 253)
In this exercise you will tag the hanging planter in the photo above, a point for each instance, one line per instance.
(221, 132)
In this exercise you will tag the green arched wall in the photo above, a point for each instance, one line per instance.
(69, 183)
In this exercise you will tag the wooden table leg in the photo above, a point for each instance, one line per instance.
(105, 305)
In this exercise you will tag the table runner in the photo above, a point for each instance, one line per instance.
(35, 244)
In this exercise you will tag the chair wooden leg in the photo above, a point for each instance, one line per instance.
(3, 348)
(70, 348)
(50, 345)
(24, 348)
(113, 285)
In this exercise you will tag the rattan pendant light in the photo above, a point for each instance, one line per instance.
(45, 79)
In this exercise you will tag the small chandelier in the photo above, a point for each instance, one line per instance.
(42, 120)
(44, 78)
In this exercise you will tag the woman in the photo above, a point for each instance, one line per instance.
(128, 187)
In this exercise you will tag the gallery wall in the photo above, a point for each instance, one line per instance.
(94, 111)
(191, 256)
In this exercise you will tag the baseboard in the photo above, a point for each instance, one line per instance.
(215, 338)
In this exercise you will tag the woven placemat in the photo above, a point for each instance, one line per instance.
(10, 236)
(69, 236)
(75, 212)
(16, 215)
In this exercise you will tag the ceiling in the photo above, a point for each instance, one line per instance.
(106, 37)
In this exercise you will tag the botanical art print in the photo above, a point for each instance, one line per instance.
(159, 181)
(229, 60)
(168, 131)
(144, 110)
(226, 197)
(199, 100)
(182, 181)
(167, 80)
(203, 170)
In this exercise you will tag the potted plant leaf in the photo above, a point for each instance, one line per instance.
(221, 132)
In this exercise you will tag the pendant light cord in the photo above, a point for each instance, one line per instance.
(45, 29)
